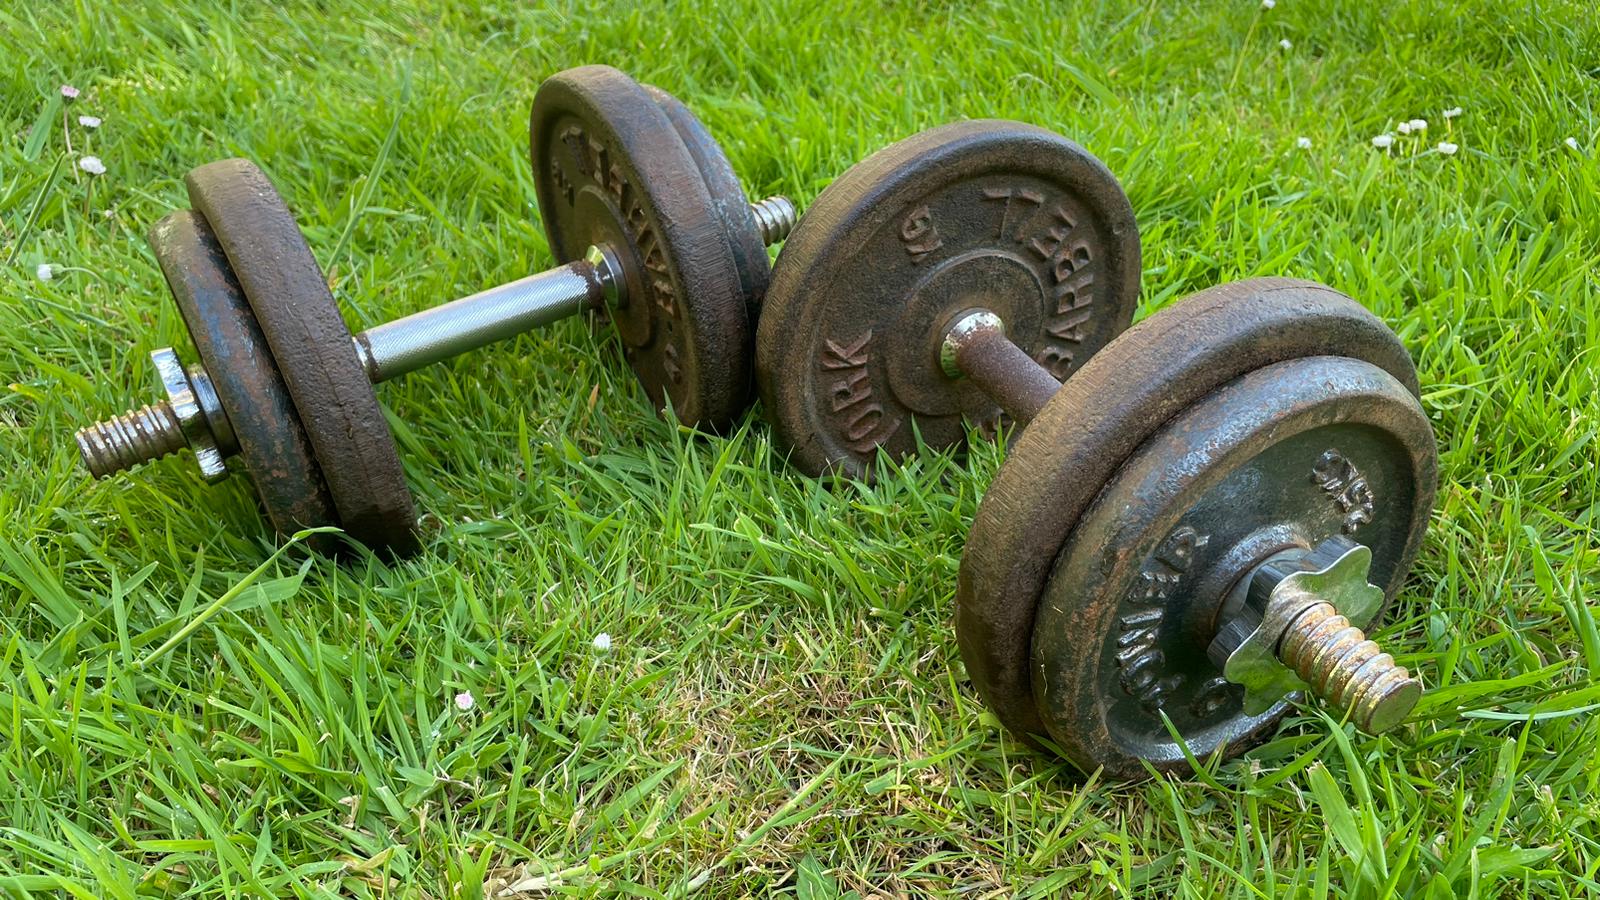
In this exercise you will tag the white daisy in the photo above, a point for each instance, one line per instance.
(1448, 149)
(1286, 44)
(465, 701)
(602, 642)
(1571, 142)
(1383, 141)
(1303, 143)
(69, 92)
(1268, 4)
(92, 165)
(1418, 125)
(44, 272)
(1403, 128)
(89, 121)
(1452, 112)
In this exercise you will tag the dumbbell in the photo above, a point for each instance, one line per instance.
(1196, 525)
(635, 197)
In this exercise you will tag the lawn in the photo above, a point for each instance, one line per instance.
(782, 706)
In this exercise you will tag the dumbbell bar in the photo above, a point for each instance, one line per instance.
(192, 415)
(1186, 530)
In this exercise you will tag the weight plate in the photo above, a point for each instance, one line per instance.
(313, 351)
(991, 214)
(272, 443)
(1284, 457)
(1116, 401)
(728, 199)
(610, 168)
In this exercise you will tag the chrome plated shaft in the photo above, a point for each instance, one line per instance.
(432, 335)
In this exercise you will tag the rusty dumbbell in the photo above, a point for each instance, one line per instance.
(1195, 525)
(636, 199)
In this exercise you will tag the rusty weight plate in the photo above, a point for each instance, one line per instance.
(272, 443)
(610, 168)
(312, 349)
(728, 199)
(1107, 410)
(992, 214)
(1284, 457)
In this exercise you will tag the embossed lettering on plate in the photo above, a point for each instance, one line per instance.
(1047, 231)
(855, 412)
(1141, 663)
(669, 363)
(919, 234)
(592, 158)
(1020, 206)
(558, 175)
(1211, 698)
(1341, 480)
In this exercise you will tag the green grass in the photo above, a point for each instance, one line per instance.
(784, 708)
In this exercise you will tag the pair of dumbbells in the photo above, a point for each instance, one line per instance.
(1187, 532)
(636, 199)
(1200, 514)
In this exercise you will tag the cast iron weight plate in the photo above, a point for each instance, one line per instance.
(610, 168)
(312, 350)
(272, 443)
(1105, 412)
(987, 213)
(728, 198)
(1284, 457)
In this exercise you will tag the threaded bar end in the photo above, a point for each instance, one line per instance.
(775, 217)
(1340, 665)
(139, 436)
